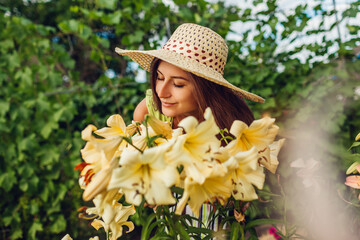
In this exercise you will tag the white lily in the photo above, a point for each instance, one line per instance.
(115, 216)
(145, 174)
(217, 185)
(101, 179)
(111, 144)
(192, 149)
(272, 150)
(260, 133)
(246, 172)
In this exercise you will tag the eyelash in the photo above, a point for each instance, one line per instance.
(178, 86)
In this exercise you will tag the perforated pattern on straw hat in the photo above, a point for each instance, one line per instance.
(196, 49)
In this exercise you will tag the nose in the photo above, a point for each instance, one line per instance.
(162, 89)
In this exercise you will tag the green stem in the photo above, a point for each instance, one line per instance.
(147, 130)
(242, 232)
(130, 142)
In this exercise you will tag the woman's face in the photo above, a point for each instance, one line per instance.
(176, 91)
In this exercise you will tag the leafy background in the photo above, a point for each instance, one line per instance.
(56, 60)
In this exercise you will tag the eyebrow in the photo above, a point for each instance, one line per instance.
(180, 77)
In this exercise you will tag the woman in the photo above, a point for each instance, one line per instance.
(186, 78)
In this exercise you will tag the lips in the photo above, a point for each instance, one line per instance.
(166, 104)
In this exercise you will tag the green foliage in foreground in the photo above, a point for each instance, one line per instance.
(53, 59)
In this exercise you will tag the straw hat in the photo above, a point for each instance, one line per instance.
(195, 49)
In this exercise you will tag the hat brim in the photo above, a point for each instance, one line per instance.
(144, 59)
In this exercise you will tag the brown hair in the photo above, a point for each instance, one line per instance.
(225, 104)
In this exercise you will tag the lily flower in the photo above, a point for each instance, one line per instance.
(357, 138)
(111, 144)
(145, 174)
(103, 199)
(192, 148)
(101, 179)
(217, 185)
(115, 216)
(245, 172)
(132, 128)
(272, 150)
(354, 182)
(159, 127)
(260, 133)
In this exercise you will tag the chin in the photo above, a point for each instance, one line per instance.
(168, 113)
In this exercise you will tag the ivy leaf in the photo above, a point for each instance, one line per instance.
(17, 233)
(108, 4)
(35, 227)
(58, 225)
(7, 180)
(112, 18)
(4, 108)
(47, 129)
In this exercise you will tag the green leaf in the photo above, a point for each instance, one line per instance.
(112, 19)
(145, 233)
(27, 143)
(259, 222)
(355, 144)
(44, 195)
(4, 108)
(58, 225)
(234, 232)
(6, 45)
(48, 128)
(84, 31)
(35, 227)
(136, 37)
(69, 26)
(7, 180)
(109, 4)
(23, 185)
(17, 233)
(182, 231)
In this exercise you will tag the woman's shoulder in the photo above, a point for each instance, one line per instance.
(140, 111)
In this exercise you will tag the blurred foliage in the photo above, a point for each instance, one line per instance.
(54, 64)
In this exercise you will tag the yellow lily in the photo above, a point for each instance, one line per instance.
(132, 128)
(145, 174)
(357, 138)
(192, 148)
(101, 179)
(140, 138)
(115, 216)
(260, 133)
(111, 144)
(217, 185)
(116, 129)
(103, 199)
(272, 150)
(160, 127)
(245, 172)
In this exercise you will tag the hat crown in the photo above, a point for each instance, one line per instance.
(200, 44)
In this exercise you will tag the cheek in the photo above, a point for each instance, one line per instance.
(190, 100)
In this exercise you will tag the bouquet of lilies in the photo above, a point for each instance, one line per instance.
(142, 163)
